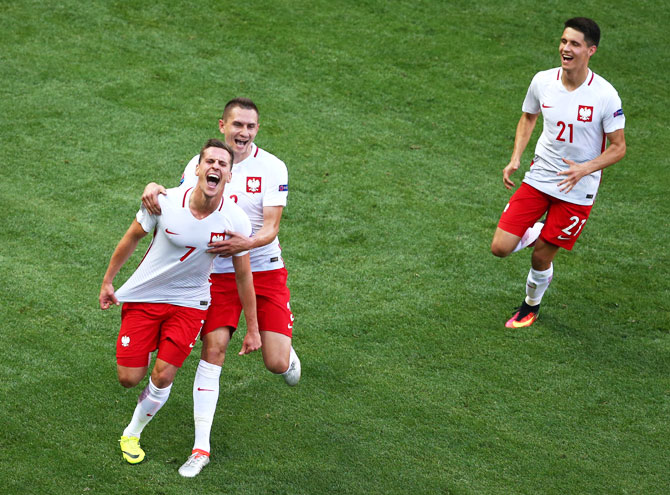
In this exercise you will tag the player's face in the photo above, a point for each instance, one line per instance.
(240, 129)
(575, 52)
(214, 171)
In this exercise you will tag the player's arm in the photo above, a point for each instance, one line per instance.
(524, 130)
(124, 249)
(150, 197)
(614, 152)
(237, 242)
(245, 288)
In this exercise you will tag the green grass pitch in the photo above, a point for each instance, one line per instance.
(395, 119)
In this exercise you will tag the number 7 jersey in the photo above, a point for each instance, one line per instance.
(176, 267)
(575, 124)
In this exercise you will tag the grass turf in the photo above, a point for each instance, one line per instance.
(395, 120)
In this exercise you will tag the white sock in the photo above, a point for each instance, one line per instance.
(537, 284)
(529, 237)
(205, 397)
(150, 401)
(292, 357)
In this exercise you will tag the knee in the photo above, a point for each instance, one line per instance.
(162, 378)
(214, 346)
(277, 364)
(128, 381)
(499, 249)
(214, 354)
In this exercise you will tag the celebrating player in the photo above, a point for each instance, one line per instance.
(166, 299)
(260, 187)
(580, 112)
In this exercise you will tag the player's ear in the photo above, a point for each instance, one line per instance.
(592, 50)
(197, 169)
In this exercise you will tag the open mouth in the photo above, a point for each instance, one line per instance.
(213, 180)
(241, 142)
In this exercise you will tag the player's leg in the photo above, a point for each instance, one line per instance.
(518, 226)
(537, 282)
(275, 322)
(222, 317)
(179, 330)
(280, 357)
(205, 397)
(564, 224)
(152, 398)
(504, 243)
(131, 376)
(138, 337)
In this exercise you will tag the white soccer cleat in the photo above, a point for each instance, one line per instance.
(292, 374)
(194, 464)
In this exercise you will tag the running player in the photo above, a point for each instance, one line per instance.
(581, 111)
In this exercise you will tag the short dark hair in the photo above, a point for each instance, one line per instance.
(587, 27)
(217, 143)
(245, 103)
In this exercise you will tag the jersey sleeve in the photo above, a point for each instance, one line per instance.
(613, 118)
(276, 192)
(531, 104)
(188, 178)
(145, 219)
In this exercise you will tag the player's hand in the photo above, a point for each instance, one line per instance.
(572, 175)
(511, 167)
(251, 343)
(150, 197)
(235, 243)
(107, 297)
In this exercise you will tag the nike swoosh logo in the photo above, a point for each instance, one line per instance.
(560, 237)
(205, 390)
(173, 233)
(131, 455)
(546, 106)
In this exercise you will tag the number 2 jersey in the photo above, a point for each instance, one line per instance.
(575, 124)
(259, 180)
(176, 267)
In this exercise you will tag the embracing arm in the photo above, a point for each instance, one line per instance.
(524, 130)
(237, 242)
(614, 152)
(150, 197)
(124, 249)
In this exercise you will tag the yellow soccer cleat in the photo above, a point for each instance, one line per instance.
(131, 450)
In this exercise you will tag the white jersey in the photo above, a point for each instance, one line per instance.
(258, 181)
(574, 127)
(176, 267)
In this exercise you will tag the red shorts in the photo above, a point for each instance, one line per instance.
(272, 302)
(564, 223)
(145, 327)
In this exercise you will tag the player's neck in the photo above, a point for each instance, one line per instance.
(572, 79)
(247, 154)
(202, 206)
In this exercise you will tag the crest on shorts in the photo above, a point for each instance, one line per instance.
(585, 113)
(253, 184)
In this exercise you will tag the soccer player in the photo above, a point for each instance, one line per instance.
(581, 111)
(260, 187)
(166, 298)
